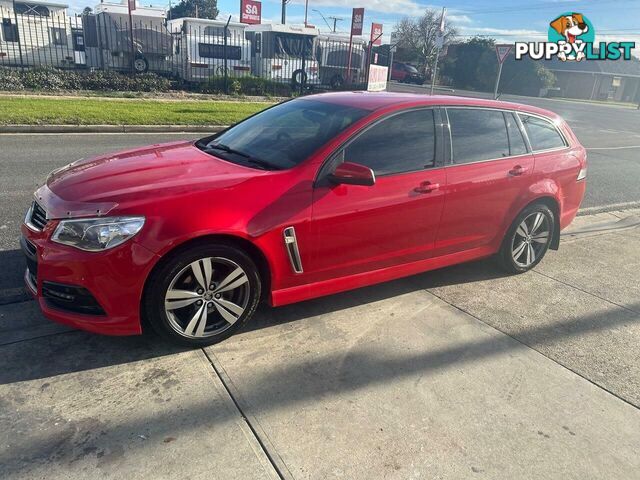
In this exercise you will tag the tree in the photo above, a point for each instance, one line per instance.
(189, 8)
(416, 38)
(87, 11)
(473, 65)
(525, 77)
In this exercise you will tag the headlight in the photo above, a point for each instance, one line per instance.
(97, 234)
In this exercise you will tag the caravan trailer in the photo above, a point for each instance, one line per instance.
(200, 48)
(284, 53)
(108, 38)
(333, 56)
(38, 33)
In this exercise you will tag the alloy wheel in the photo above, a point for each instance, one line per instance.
(530, 239)
(207, 297)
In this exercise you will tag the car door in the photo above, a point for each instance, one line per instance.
(488, 172)
(364, 228)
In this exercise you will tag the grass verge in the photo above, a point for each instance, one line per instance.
(91, 111)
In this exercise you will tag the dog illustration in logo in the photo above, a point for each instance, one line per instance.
(570, 27)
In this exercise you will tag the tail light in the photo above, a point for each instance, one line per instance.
(199, 65)
(3, 54)
(313, 69)
(276, 67)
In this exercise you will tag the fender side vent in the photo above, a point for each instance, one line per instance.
(291, 244)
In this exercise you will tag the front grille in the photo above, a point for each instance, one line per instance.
(38, 216)
(29, 250)
(71, 298)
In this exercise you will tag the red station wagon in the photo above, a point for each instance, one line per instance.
(311, 197)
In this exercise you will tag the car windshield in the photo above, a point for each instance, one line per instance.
(283, 136)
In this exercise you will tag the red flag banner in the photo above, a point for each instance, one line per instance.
(357, 20)
(376, 33)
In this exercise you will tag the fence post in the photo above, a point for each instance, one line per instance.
(224, 54)
(303, 77)
(133, 53)
(15, 16)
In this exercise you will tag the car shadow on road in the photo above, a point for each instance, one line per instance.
(75, 351)
(465, 273)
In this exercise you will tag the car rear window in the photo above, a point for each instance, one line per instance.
(543, 135)
(477, 134)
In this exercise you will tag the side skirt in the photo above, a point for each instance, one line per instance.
(328, 287)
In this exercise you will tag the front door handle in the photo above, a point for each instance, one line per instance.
(517, 171)
(426, 187)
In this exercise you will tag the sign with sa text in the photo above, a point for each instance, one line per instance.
(250, 12)
(376, 33)
(357, 20)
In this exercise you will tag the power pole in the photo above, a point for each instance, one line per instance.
(335, 20)
(284, 12)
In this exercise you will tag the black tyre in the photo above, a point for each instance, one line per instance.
(527, 239)
(298, 78)
(202, 295)
(336, 82)
(141, 64)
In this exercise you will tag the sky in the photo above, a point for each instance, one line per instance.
(504, 20)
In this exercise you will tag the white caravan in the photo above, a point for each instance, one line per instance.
(284, 53)
(199, 46)
(39, 33)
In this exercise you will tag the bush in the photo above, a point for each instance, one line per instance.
(51, 79)
(10, 80)
(248, 85)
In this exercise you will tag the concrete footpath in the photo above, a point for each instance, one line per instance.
(457, 373)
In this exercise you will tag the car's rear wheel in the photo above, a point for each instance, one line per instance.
(202, 295)
(528, 239)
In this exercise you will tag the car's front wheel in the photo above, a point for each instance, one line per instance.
(202, 295)
(528, 239)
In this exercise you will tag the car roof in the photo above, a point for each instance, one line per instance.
(379, 100)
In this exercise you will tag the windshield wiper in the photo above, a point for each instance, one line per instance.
(250, 159)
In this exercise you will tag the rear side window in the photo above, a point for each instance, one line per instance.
(401, 143)
(477, 134)
(516, 141)
(543, 135)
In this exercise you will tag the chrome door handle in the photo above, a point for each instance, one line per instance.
(517, 170)
(426, 187)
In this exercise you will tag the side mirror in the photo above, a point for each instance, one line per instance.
(353, 174)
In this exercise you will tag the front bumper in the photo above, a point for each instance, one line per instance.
(114, 278)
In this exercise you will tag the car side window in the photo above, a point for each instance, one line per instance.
(543, 135)
(477, 134)
(404, 142)
(516, 141)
